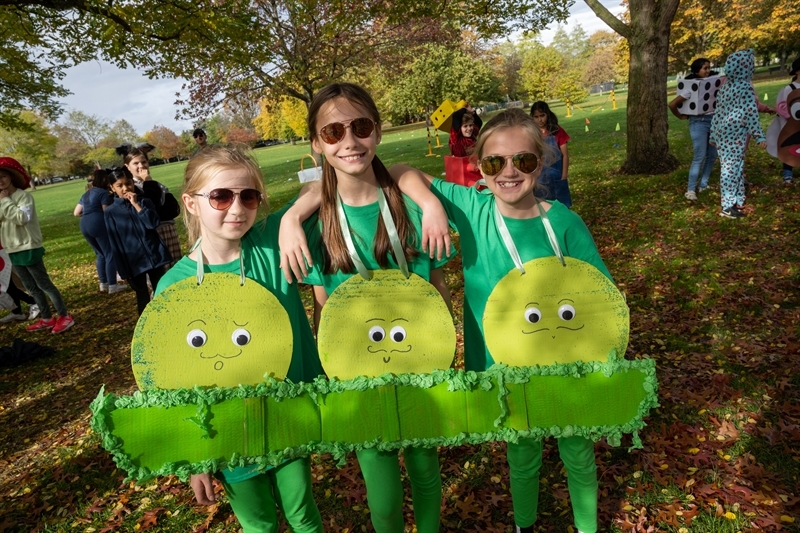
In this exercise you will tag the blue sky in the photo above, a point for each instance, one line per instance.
(104, 90)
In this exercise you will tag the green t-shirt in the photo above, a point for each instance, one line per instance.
(486, 260)
(363, 222)
(261, 264)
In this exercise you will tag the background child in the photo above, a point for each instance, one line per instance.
(780, 120)
(736, 116)
(345, 127)
(22, 239)
(138, 251)
(699, 125)
(554, 177)
(222, 192)
(463, 131)
(93, 226)
(166, 206)
(509, 150)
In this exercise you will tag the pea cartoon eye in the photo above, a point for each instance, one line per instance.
(566, 312)
(533, 315)
(398, 334)
(794, 110)
(196, 338)
(376, 334)
(240, 337)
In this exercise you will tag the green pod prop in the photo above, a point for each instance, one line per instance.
(189, 431)
(184, 428)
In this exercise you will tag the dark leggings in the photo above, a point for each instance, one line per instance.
(139, 285)
(18, 295)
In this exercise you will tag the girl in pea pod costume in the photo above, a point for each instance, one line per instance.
(345, 127)
(511, 155)
(736, 117)
(222, 191)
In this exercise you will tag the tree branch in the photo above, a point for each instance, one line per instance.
(606, 16)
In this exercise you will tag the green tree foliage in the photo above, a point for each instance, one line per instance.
(714, 29)
(541, 66)
(438, 73)
(548, 73)
(41, 39)
(32, 144)
(601, 64)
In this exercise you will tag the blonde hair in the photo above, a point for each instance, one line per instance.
(515, 118)
(207, 164)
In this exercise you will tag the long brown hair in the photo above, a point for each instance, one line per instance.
(335, 249)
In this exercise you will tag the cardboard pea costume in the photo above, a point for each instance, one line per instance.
(277, 420)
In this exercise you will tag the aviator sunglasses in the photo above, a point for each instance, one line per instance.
(334, 132)
(526, 162)
(222, 199)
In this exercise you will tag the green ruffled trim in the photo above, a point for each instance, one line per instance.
(500, 375)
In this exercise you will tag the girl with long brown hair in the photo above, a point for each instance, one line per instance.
(358, 235)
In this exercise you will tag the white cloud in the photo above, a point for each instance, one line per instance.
(100, 88)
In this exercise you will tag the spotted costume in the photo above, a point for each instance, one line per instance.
(736, 116)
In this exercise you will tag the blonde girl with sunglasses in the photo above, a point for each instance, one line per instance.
(223, 190)
(345, 128)
(496, 225)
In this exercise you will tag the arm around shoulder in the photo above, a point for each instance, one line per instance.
(292, 241)
(435, 228)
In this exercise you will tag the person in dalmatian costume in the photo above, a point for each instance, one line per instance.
(736, 117)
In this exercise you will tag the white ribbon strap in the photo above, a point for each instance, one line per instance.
(551, 235)
(394, 238)
(391, 229)
(348, 239)
(508, 241)
(201, 272)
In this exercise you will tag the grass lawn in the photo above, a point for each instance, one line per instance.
(714, 301)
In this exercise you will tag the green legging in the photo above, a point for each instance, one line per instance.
(385, 490)
(287, 486)
(525, 462)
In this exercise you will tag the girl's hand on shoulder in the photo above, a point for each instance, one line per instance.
(293, 249)
(203, 487)
(435, 231)
(4, 193)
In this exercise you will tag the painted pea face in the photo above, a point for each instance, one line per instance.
(555, 314)
(181, 340)
(388, 324)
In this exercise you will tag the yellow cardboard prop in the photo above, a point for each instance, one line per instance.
(219, 334)
(387, 324)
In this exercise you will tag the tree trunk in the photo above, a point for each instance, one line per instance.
(648, 148)
(648, 40)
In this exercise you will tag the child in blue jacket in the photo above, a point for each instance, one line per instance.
(138, 250)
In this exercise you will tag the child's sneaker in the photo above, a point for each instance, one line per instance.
(63, 323)
(104, 287)
(731, 212)
(41, 324)
(691, 195)
(703, 188)
(13, 316)
(33, 311)
(788, 181)
(117, 287)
